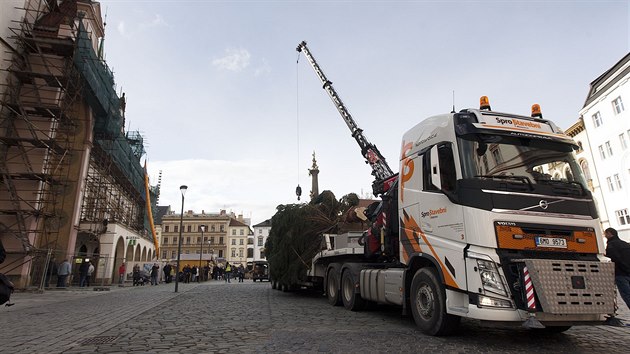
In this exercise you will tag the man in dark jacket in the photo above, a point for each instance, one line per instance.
(619, 252)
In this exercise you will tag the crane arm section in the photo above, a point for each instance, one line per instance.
(380, 169)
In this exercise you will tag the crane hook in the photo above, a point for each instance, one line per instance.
(298, 191)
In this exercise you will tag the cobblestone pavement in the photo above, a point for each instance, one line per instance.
(252, 318)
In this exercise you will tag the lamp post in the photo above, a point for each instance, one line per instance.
(202, 227)
(179, 241)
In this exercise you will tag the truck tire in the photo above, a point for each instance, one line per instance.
(274, 285)
(332, 287)
(350, 294)
(428, 304)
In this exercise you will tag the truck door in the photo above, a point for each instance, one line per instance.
(441, 217)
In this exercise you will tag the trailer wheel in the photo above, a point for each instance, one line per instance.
(350, 295)
(332, 288)
(428, 304)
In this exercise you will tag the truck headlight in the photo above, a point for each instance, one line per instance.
(490, 277)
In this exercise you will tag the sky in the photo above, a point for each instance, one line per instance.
(229, 108)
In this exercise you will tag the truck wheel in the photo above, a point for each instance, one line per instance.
(428, 304)
(350, 294)
(332, 288)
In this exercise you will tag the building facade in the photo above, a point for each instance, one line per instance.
(261, 233)
(238, 234)
(607, 126)
(73, 185)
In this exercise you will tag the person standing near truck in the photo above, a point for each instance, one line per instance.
(619, 251)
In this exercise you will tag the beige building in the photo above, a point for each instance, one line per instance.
(204, 236)
(238, 234)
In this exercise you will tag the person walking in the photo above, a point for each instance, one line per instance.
(89, 272)
(136, 275)
(83, 272)
(186, 273)
(241, 273)
(619, 252)
(167, 273)
(121, 274)
(62, 274)
(154, 274)
(228, 272)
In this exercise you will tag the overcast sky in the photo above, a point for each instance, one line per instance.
(225, 108)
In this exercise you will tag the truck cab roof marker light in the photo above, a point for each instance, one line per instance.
(536, 111)
(484, 103)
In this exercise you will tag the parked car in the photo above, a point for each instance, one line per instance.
(260, 271)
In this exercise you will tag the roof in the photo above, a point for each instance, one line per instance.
(161, 211)
(608, 79)
(266, 223)
(234, 222)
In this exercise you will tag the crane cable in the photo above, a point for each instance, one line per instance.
(298, 189)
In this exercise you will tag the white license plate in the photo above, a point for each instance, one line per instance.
(551, 242)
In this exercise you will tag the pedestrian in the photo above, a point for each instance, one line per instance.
(62, 274)
(241, 273)
(193, 273)
(83, 272)
(619, 252)
(90, 272)
(121, 273)
(186, 273)
(167, 273)
(228, 271)
(154, 274)
(136, 274)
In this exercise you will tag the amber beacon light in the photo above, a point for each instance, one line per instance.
(484, 103)
(536, 112)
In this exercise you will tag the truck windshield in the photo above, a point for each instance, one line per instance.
(529, 161)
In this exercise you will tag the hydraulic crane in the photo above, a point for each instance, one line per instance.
(380, 169)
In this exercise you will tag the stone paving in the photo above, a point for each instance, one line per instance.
(216, 317)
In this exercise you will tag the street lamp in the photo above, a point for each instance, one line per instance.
(203, 228)
(179, 241)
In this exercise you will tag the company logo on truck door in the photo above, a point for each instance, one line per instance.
(433, 213)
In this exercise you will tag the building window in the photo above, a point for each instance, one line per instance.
(608, 148)
(622, 215)
(212, 240)
(597, 119)
(189, 228)
(176, 228)
(580, 148)
(617, 180)
(163, 254)
(205, 239)
(240, 252)
(165, 241)
(187, 252)
(233, 252)
(617, 105)
(611, 187)
(188, 240)
(496, 154)
(602, 154)
(233, 232)
(221, 240)
(587, 171)
(240, 242)
(242, 233)
(622, 141)
(220, 253)
(198, 239)
(166, 228)
(260, 231)
(222, 228)
(173, 254)
(260, 241)
(212, 227)
(233, 242)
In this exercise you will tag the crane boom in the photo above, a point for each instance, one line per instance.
(380, 169)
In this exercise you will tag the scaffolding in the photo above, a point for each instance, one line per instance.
(57, 88)
(39, 124)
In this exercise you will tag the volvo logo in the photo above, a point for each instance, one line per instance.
(543, 204)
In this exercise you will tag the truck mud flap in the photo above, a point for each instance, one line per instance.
(573, 287)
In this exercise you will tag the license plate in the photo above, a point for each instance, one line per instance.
(551, 242)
